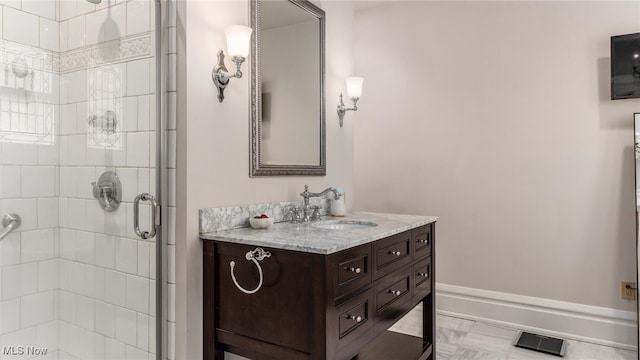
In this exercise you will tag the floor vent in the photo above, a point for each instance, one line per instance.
(541, 343)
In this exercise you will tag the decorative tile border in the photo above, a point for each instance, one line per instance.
(119, 50)
(233, 217)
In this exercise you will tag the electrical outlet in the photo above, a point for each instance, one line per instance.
(628, 290)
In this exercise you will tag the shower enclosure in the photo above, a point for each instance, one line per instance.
(80, 164)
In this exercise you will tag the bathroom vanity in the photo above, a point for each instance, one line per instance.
(325, 291)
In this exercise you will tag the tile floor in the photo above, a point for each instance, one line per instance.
(463, 339)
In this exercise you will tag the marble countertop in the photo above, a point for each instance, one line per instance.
(306, 238)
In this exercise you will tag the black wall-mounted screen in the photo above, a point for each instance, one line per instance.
(625, 66)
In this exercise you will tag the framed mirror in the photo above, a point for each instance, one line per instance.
(287, 89)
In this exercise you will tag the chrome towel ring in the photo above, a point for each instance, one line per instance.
(256, 255)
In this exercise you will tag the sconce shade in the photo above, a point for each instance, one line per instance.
(238, 40)
(354, 87)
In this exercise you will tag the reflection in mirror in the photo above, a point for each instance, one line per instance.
(287, 85)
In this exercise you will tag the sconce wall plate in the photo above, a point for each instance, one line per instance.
(221, 76)
(217, 76)
(343, 109)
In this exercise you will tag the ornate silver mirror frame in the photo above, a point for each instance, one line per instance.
(258, 166)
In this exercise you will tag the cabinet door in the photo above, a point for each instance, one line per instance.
(288, 309)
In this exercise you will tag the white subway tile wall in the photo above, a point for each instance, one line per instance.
(169, 8)
(73, 278)
(19, 26)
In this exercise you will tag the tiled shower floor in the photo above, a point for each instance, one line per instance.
(463, 339)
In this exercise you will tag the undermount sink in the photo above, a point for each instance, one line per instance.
(343, 225)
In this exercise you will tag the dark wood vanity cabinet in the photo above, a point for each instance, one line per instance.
(314, 306)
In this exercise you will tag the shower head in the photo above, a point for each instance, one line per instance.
(95, 1)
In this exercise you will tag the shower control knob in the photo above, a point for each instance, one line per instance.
(394, 292)
(108, 191)
(396, 253)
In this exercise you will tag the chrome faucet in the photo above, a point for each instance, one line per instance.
(306, 208)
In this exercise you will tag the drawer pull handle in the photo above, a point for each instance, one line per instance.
(354, 318)
(423, 241)
(394, 292)
(396, 253)
(355, 270)
(424, 275)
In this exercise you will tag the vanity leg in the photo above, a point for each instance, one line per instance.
(429, 324)
(429, 305)
(210, 351)
(219, 354)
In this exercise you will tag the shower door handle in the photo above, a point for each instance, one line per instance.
(155, 215)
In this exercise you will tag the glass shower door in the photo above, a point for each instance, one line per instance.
(636, 152)
(77, 146)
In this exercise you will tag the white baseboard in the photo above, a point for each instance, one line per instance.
(565, 320)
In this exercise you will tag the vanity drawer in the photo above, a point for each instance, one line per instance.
(391, 254)
(353, 270)
(354, 317)
(422, 239)
(395, 289)
(422, 278)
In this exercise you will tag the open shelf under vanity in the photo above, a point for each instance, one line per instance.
(393, 345)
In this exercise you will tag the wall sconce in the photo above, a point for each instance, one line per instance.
(238, 42)
(354, 91)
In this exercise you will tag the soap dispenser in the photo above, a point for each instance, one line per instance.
(338, 207)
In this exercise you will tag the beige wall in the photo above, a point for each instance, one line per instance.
(213, 142)
(497, 118)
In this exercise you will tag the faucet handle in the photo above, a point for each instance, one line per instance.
(295, 214)
(315, 215)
